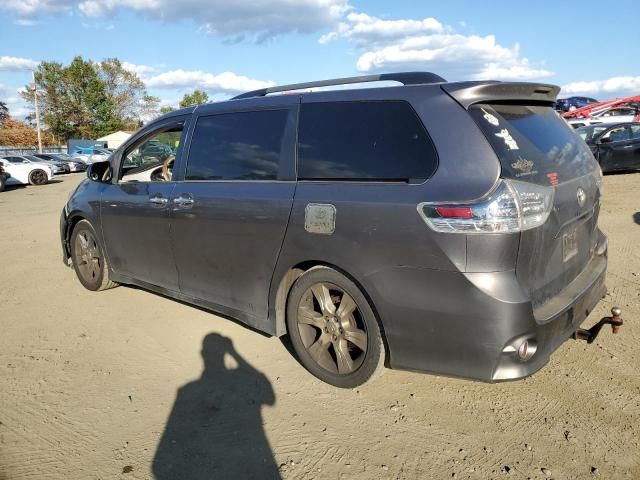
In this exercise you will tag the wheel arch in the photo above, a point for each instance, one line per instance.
(289, 278)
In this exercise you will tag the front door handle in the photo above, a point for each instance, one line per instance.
(183, 200)
(158, 200)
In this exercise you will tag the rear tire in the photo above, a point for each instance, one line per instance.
(333, 329)
(38, 177)
(3, 183)
(89, 261)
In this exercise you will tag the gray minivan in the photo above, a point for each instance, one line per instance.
(432, 226)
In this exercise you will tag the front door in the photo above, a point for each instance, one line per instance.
(230, 213)
(613, 148)
(135, 207)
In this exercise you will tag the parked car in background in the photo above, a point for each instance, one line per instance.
(91, 155)
(358, 223)
(627, 113)
(25, 172)
(71, 164)
(572, 103)
(616, 147)
(57, 166)
(4, 176)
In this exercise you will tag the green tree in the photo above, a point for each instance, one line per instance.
(88, 99)
(167, 109)
(196, 98)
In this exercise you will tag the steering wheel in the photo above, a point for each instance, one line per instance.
(166, 173)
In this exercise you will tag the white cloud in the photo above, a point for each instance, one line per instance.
(366, 30)
(18, 108)
(226, 82)
(235, 20)
(143, 71)
(429, 45)
(611, 87)
(16, 63)
(29, 8)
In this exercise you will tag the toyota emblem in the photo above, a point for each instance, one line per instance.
(582, 196)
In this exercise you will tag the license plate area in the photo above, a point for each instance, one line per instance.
(569, 245)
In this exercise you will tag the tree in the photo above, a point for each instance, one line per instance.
(195, 98)
(167, 109)
(150, 108)
(18, 134)
(86, 99)
(4, 112)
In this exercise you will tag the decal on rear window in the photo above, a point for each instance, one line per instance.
(524, 167)
(492, 119)
(508, 139)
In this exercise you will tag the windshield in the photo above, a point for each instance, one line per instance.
(534, 144)
(588, 133)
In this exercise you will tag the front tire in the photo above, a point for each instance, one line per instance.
(38, 177)
(333, 329)
(89, 261)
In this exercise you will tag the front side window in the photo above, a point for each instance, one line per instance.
(152, 159)
(618, 134)
(364, 141)
(238, 146)
(635, 132)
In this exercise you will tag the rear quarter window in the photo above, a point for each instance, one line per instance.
(364, 141)
(534, 144)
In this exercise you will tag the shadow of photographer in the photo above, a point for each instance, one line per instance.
(215, 427)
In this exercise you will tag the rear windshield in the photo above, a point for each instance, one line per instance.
(533, 143)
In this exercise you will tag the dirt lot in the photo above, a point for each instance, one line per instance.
(89, 382)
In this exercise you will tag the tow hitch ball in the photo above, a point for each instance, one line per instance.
(590, 335)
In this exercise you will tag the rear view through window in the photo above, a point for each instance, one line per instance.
(533, 143)
(379, 141)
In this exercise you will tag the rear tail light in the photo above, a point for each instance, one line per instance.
(512, 206)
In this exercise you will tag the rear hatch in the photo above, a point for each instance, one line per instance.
(535, 145)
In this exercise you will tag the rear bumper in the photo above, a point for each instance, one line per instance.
(470, 325)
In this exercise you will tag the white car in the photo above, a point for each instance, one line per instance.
(25, 173)
(610, 115)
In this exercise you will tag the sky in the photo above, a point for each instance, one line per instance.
(226, 47)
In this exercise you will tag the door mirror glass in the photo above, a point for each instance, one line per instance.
(99, 172)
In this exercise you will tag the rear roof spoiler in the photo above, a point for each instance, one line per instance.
(468, 93)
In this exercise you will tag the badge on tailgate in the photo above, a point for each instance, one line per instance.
(569, 245)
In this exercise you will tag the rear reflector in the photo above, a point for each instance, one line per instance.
(454, 212)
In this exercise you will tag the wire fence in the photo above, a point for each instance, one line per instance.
(6, 151)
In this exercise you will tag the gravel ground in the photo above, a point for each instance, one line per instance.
(111, 385)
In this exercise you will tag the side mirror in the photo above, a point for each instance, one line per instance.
(99, 172)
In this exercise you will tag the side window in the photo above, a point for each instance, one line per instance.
(152, 159)
(635, 132)
(238, 146)
(617, 134)
(368, 140)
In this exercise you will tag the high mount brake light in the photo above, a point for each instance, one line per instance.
(512, 206)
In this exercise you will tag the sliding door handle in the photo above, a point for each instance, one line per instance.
(158, 200)
(183, 200)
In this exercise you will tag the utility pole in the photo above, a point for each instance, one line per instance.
(35, 102)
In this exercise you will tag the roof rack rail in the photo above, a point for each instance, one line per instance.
(406, 78)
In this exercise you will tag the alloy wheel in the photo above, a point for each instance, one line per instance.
(87, 255)
(332, 328)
